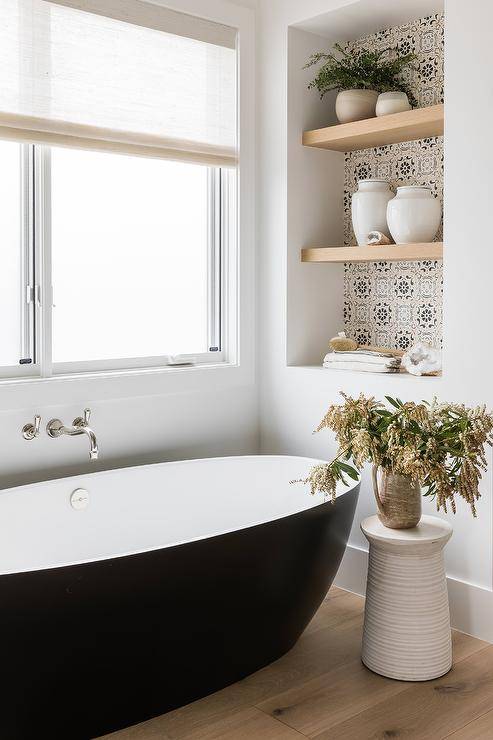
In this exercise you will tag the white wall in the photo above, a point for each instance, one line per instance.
(132, 431)
(159, 415)
(293, 399)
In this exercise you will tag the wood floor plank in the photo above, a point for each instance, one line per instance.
(310, 657)
(199, 715)
(233, 725)
(339, 694)
(334, 592)
(313, 656)
(245, 725)
(337, 609)
(426, 711)
(320, 689)
(478, 729)
(464, 645)
(150, 730)
(325, 701)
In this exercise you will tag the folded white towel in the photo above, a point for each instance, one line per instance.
(368, 367)
(363, 357)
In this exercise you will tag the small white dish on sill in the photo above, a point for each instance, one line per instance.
(392, 102)
(181, 360)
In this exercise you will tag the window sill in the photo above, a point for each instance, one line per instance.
(76, 388)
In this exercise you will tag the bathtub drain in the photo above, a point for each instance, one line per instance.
(79, 499)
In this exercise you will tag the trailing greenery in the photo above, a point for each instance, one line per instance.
(440, 445)
(361, 70)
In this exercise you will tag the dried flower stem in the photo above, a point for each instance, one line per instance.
(439, 445)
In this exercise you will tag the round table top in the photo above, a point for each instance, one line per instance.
(430, 529)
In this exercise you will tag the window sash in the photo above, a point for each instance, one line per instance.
(37, 278)
(28, 276)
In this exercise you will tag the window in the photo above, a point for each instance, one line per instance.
(133, 234)
(137, 255)
(118, 171)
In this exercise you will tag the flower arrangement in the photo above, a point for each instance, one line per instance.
(439, 445)
(361, 70)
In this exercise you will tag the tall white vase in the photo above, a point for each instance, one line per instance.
(369, 209)
(414, 215)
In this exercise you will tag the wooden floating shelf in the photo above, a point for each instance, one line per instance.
(419, 123)
(386, 253)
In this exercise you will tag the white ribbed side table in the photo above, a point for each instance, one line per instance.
(407, 622)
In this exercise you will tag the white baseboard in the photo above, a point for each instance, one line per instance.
(471, 606)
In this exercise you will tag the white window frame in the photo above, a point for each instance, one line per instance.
(26, 366)
(21, 389)
(37, 291)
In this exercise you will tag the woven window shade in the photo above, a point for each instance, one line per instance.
(118, 75)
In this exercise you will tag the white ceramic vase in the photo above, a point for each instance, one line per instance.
(369, 209)
(414, 215)
(392, 102)
(355, 105)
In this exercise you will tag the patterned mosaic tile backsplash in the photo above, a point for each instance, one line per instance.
(394, 304)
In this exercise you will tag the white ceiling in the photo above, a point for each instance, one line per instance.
(358, 18)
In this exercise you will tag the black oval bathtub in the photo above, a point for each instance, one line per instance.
(174, 581)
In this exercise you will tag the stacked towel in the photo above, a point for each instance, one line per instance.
(363, 360)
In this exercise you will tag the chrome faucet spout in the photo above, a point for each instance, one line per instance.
(76, 431)
(55, 428)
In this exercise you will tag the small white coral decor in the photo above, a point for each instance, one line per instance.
(421, 359)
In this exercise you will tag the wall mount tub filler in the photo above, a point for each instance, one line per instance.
(55, 428)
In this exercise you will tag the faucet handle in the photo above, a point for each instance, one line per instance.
(30, 431)
(83, 421)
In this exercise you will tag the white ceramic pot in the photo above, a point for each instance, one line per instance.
(369, 209)
(414, 215)
(392, 102)
(355, 105)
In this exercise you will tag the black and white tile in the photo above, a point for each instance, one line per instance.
(397, 304)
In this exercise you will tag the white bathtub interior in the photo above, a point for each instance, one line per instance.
(137, 509)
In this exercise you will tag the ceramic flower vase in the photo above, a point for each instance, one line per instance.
(392, 102)
(369, 209)
(398, 499)
(355, 105)
(414, 215)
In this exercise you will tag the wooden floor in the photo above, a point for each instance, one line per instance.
(321, 690)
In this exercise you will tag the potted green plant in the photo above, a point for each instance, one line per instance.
(359, 78)
(435, 447)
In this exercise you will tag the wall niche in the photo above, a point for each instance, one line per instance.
(394, 303)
